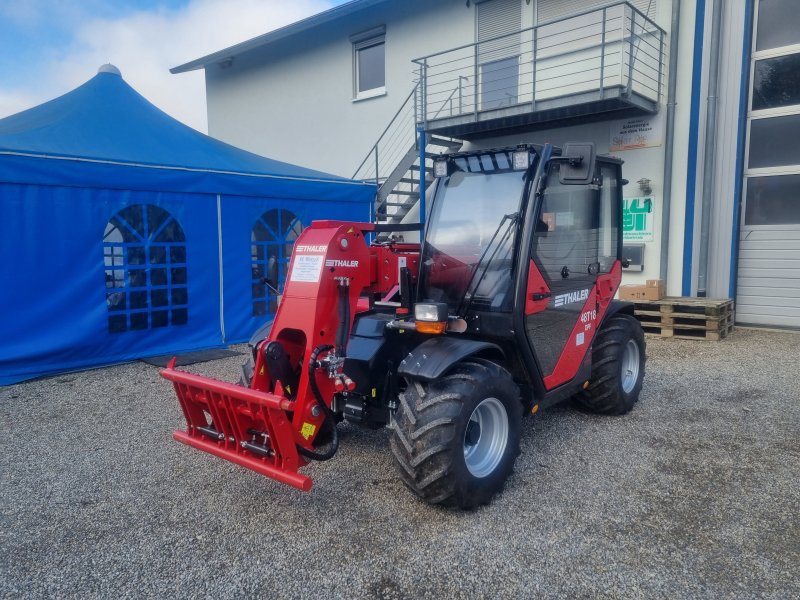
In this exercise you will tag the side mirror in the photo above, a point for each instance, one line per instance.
(577, 163)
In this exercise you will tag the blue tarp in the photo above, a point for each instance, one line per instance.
(127, 234)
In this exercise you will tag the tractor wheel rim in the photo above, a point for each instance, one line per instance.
(483, 456)
(630, 366)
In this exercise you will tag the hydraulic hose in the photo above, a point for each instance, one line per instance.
(330, 418)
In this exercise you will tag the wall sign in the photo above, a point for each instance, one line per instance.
(638, 132)
(637, 219)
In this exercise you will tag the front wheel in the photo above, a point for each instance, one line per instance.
(618, 358)
(455, 440)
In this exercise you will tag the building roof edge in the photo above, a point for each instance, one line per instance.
(265, 39)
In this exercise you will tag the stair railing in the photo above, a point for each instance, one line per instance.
(393, 143)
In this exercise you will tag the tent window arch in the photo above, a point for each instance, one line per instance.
(144, 253)
(272, 238)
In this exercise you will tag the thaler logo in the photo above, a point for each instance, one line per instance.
(570, 297)
(332, 262)
(304, 248)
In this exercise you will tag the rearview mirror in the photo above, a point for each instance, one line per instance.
(577, 163)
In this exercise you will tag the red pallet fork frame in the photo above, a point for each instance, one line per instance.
(235, 411)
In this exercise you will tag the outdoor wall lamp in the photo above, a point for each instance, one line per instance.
(645, 187)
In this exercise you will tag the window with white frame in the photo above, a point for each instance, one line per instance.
(369, 63)
(772, 169)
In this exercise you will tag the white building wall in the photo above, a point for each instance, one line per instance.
(728, 115)
(698, 167)
(680, 164)
(294, 99)
(724, 137)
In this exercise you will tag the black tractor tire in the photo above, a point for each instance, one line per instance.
(435, 427)
(248, 368)
(615, 384)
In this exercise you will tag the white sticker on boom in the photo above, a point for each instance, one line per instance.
(579, 339)
(307, 267)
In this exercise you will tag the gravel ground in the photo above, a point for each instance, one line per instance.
(693, 494)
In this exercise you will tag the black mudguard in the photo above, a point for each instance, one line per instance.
(619, 307)
(260, 335)
(431, 359)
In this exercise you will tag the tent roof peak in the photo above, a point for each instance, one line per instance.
(109, 68)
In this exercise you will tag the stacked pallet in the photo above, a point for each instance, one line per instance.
(686, 318)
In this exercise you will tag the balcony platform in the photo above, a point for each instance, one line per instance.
(610, 103)
(602, 63)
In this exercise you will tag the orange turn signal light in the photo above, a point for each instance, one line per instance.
(431, 326)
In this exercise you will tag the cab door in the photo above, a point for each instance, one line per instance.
(575, 245)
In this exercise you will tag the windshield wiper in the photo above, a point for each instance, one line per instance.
(469, 292)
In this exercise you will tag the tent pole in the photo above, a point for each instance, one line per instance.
(221, 280)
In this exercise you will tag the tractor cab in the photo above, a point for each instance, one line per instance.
(523, 244)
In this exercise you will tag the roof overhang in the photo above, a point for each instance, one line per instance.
(266, 39)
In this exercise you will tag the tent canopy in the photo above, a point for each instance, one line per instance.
(106, 123)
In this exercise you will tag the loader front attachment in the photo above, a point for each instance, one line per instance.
(245, 426)
(284, 418)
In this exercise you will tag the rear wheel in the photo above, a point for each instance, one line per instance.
(456, 439)
(618, 358)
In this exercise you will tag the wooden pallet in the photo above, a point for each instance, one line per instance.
(686, 318)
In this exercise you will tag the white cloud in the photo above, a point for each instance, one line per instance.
(145, 44)
(14, 101)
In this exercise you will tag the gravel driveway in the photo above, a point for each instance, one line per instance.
(696, 493)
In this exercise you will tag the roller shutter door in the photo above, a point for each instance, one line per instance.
(768, 284)
(768, 291)
(547, 10)
(495, 18)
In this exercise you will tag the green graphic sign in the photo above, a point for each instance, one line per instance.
(637, 219)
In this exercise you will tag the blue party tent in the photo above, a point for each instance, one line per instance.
(125, 234)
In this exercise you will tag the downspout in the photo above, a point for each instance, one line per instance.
(710, 149)
(670, 135)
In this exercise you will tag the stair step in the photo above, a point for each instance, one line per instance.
(414, 180)
(396, 204)
(435, 140)
(403, 193)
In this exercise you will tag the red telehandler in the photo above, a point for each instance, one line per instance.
(504, 308)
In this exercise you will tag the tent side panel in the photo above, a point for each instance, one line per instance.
(257, 237)
(80, 173)
(97, 276)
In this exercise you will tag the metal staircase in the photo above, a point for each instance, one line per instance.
(393, 163)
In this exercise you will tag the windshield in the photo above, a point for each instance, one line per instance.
(473, 221)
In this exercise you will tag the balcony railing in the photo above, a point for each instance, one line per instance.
(600, 60)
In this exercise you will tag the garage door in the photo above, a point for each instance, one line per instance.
(768, 291)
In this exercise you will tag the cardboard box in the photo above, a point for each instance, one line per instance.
(653, 289)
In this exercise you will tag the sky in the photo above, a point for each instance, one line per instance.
(49, 47)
